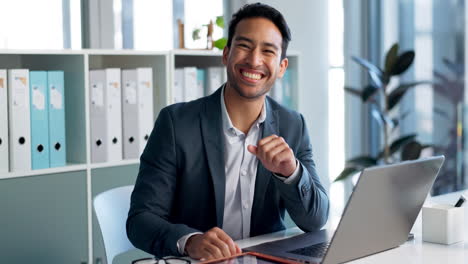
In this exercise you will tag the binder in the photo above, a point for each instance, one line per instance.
(97, 82)
(146, 110)
(56, 96)
(106, 115)
(19, 120)
(214, 78)
(178, 92)
(114, 114)
(39, 120)
(4, 157)
(201, 82)
(129, 114)
(137, 109)
(190, 84)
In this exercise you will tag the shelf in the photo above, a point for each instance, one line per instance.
(124, 52)
(114, 164)
(68, 168)
(201, 52)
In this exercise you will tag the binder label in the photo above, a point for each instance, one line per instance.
(19, 94)
(97, 94)
(130, 93)
(38, 99)
(55, 98)
(2, 83)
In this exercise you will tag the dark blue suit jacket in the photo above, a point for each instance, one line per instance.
(181, 181)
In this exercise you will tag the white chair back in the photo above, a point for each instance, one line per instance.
(111, 208)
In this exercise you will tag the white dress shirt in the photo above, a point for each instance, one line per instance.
(241, 170)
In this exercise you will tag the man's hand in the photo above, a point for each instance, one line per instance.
(213, 244)
(275, 155)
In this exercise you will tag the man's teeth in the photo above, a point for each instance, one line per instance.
(254, 76)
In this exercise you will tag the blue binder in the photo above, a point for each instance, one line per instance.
(56, 95)
(39, 120)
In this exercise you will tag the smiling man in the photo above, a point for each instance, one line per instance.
(228, 166)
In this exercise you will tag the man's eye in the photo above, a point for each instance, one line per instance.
(269, 51)
(242, 45)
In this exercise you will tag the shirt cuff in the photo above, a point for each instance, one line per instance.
(291, 179)
(183, 240)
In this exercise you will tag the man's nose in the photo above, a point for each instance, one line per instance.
(254, 58)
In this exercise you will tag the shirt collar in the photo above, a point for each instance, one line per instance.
(228, 127)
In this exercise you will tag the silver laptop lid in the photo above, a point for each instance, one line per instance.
(382, 209)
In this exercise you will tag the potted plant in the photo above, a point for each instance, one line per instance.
(383, 100)
(219, 43)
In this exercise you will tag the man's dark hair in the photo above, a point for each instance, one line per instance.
(264, 11)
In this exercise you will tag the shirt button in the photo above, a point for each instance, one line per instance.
(246, 206)
(243, 172)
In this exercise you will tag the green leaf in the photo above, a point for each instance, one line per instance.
(403, 62)
(395, 122)
(397, 144)
(368, 92)
(220, 43)
(441, 76)
(376, 79)
(349, 171)
(368, 65)
(353, 91)
(395, 96)
(411, 150)
(457, 68)
(196, 34)
(391, 58)
(220, 21)
(375, 72)
(377, 115)
(362, 161)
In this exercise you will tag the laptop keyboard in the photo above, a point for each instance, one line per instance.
(316, 251)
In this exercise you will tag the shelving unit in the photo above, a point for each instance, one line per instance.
(49, 212)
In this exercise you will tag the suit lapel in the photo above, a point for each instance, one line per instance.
(270, 127)
(211, 125)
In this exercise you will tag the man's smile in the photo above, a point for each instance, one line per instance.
(251, 76)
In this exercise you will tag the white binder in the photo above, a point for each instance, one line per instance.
(137, 106)
(106, 115)
(114, 114)
(19, 120)
(4, 157)
(190, 84)
(178, 92)
(214, 78)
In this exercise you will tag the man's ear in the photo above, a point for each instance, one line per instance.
(283, 66)
(225, 55)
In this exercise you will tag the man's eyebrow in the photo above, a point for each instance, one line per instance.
(272, 45)
(241, 38)
(268, 44)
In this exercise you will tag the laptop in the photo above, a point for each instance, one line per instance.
(379, 216)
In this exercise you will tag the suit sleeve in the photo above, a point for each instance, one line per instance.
(306, 201)
(148, 225)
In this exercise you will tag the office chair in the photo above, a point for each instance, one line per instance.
(111, 209)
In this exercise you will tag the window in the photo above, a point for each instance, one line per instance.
(435, 29)
(40, 24)
(336, 122)
(153, 27)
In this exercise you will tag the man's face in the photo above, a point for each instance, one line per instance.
(253, 61)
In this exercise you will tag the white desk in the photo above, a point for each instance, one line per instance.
(415, 251)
